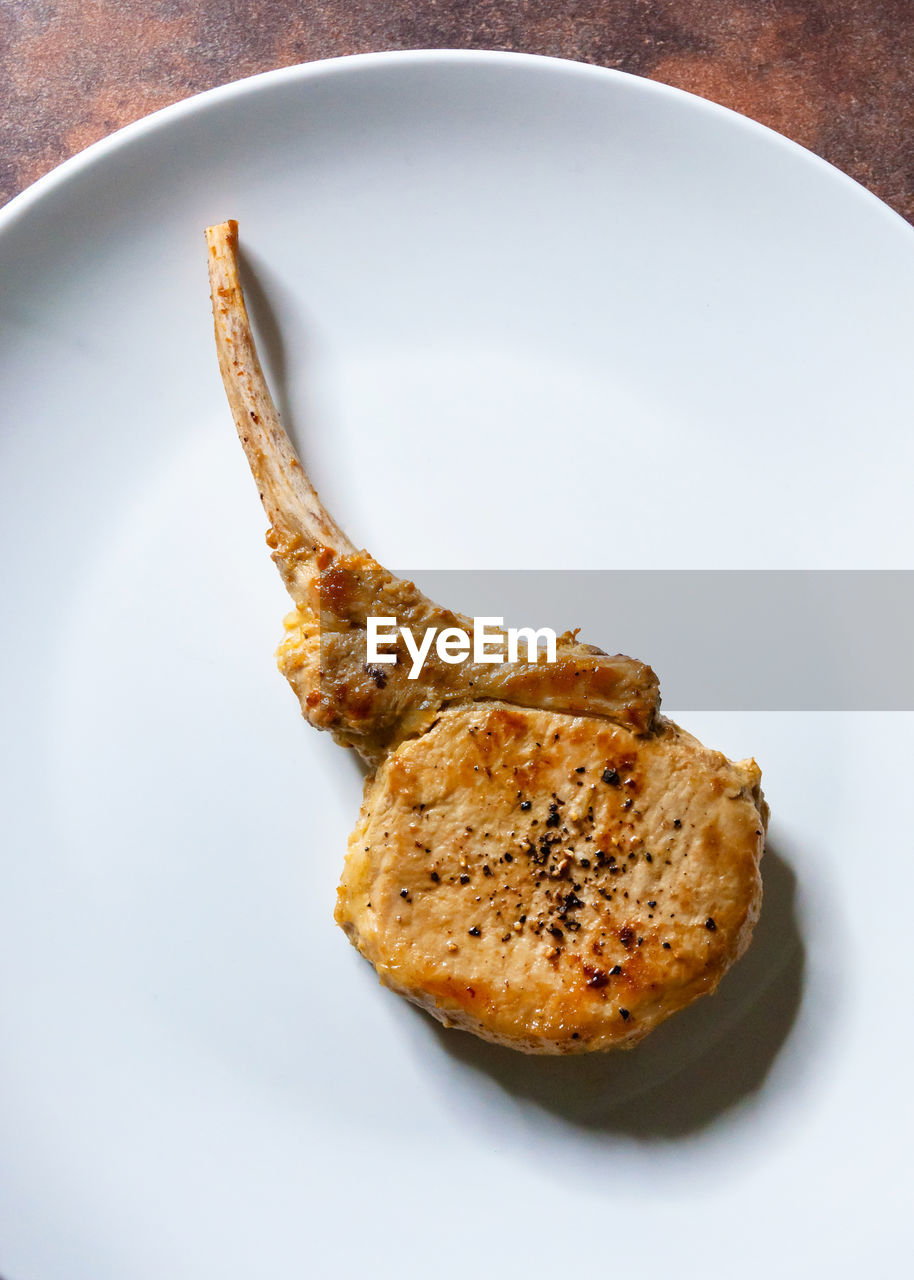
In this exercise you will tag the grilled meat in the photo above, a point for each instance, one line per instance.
(541, 857)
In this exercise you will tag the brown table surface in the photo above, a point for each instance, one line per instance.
(835, 75)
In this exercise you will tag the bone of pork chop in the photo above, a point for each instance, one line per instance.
(336, 588)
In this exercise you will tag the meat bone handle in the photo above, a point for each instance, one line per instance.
(297, 516)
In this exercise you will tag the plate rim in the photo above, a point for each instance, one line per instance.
(262, 81)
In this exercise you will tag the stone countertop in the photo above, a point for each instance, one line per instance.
(835, 75)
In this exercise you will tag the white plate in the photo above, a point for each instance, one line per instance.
(532, 314)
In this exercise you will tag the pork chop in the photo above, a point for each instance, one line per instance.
(541, 858)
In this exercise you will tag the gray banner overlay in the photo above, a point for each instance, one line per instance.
(747, 640)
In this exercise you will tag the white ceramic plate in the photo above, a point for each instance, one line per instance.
(526, 313)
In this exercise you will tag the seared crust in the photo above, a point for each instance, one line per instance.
(624, 891)
(371, 708)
